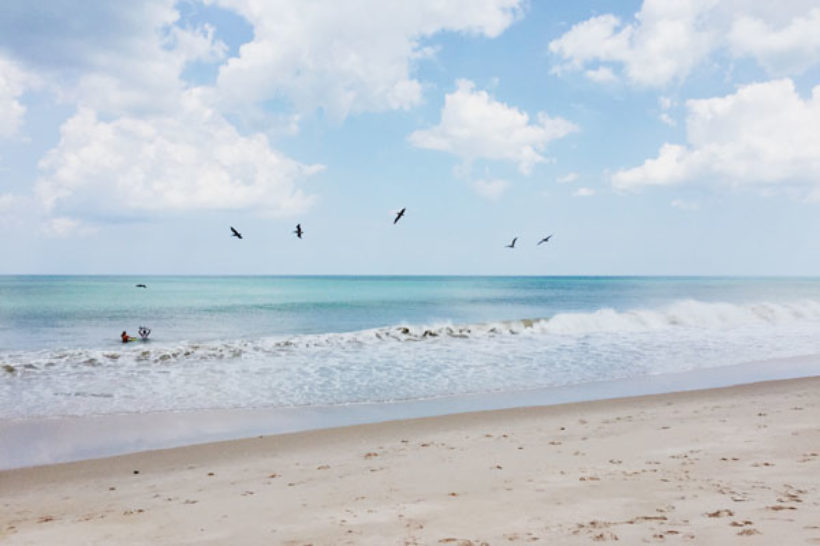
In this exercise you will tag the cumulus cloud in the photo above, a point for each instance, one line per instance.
(584, 192)
(347, 57)
(790, 49)
(142, 141)
(13, 83)
(666, 40)
(491, 189)
(474, 126)
(602, 74)
(764, 135)
(114, 60)
(192, 161)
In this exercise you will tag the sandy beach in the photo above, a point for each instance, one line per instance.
(732, 465)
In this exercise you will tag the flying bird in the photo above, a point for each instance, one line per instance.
(235, 233)
(399, 215)
(298, 231)
(545, 239)
(512, 244)
(141, 286)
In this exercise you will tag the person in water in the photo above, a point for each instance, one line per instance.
(124, 336)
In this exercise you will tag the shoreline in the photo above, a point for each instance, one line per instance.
(711, 466)
(52, 440)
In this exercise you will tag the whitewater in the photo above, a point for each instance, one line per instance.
(279, 342)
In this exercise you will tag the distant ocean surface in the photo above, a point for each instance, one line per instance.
(270, 342)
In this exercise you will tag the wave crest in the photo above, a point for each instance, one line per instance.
(689, 314)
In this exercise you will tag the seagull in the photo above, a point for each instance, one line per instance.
(399, 215)
(512, 244)
(298, 231)
(235, 233)
(141, 286)
(545, 239)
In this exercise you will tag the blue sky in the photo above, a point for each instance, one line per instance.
(654, 138)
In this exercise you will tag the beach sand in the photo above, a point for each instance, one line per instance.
(723, 466)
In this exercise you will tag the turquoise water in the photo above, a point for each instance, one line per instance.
(316, 341)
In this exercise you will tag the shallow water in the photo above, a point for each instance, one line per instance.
(269, 342)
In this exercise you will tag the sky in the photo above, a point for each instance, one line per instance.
(677, 137)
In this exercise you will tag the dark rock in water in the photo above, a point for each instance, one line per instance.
(9, 368)
(404, 330)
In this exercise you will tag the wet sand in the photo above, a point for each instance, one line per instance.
(721, 466)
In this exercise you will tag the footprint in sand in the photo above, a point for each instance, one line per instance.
(720, 513)
(748, 532)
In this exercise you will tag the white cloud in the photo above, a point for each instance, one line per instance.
(13, 83)
(602, 74)
(491, 189)
(764, 135)
(584, 192)
(667, 40)
(790, 49)
(62, 227)
(142, 141)
(194, 160)
(473, 126)
(569, 177)
(130, 67)
(347, 57)
(666, 104)
(667, 119)
(8, 202)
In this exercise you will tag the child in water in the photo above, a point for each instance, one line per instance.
(143, 331)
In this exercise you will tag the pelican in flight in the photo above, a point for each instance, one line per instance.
(545, 239)
(512, 244)
(298, 231)
(235, 233)
(399, 215)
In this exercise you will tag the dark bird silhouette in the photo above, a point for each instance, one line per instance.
(235, 233)
(298, 231)
(545, 239)
(512, 244)
(141, 286)
(399, 215)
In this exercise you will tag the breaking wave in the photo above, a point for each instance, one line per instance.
(684, 314)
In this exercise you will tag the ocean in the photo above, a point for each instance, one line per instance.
(291, 342)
